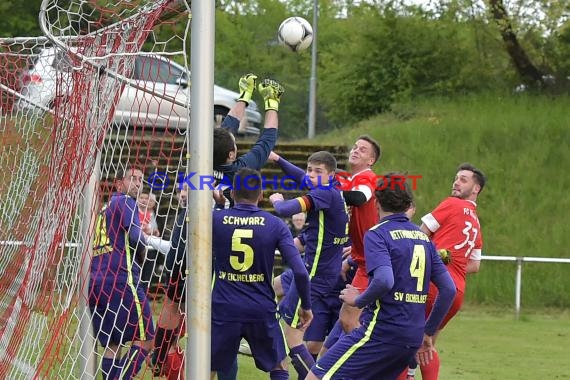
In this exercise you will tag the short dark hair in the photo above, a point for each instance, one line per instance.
(224, 143)
(480, 178)
(323, 157)
(247, 185)
(375, 146)
(123, 170)
(393, 193)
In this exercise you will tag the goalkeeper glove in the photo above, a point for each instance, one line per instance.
(445, 255)
(271, 91)
(246, 87)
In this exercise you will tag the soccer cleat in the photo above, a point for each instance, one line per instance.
(271, 91)
(445, 255)
(246, 87)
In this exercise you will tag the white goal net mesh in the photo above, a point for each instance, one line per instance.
(83, 90)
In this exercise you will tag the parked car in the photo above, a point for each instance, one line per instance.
(164, 79)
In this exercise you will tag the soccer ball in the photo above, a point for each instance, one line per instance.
(295, 33)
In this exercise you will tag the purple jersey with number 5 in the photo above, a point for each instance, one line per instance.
(244, 242)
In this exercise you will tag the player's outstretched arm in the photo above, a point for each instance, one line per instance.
(246, 86)
(296, 173)
(446, 294)
(290, 207)
(382, 281)
(354, 197)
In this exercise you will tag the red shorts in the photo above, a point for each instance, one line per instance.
(455, 306)
(360, 280)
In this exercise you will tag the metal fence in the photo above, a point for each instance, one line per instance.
(518, 276)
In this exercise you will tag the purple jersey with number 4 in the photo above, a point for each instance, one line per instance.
(399, 316)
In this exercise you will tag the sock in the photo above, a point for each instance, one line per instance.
(301, 359)
(162, 342)
(431, 371)
(403, 375)
(230, 374)
(109, 372)
(279, 374)
(132, 362)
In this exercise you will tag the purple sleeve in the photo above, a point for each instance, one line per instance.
(380, 284)
(293, 258)
(376, 251)
(296, 173)
(287, 208)
(231, 123)
(131, 221)
(446, 294)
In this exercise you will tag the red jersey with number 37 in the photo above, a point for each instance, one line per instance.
(363, 217)
(456, 227)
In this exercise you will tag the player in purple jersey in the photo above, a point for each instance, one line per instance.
(243, 300)
(401, 261)
(121, 312)
(325, 236)
(226, 163)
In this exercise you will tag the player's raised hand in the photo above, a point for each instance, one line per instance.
(348, 295)
(426, 350)
(246, 87)
(271, 91)
(276, 197)
(305, 318)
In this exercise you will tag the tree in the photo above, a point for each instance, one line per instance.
(526, 69)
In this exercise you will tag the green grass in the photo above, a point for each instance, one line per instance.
(523, 146)
(483, 343)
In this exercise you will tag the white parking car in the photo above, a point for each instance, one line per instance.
(162, 77)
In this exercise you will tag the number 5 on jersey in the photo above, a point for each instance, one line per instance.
(241, 258)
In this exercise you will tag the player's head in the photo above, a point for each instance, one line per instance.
(225, 149)
(468, 183)
(321, 166)
(129, 181)
(393, 194)
(364, 153)
(247, 186)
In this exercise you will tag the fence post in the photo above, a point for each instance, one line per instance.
(518, 285)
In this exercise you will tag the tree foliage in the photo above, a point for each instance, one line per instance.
(371, 54)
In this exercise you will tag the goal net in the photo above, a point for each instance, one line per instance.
(81, 100)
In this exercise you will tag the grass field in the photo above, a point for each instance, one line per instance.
(482, 343)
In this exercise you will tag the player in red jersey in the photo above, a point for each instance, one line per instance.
(453, 225)
(363, 215)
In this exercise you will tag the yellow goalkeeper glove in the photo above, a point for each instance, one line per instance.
(445, 255)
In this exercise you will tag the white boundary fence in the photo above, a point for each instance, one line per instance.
(518, 277)
(519, 260)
